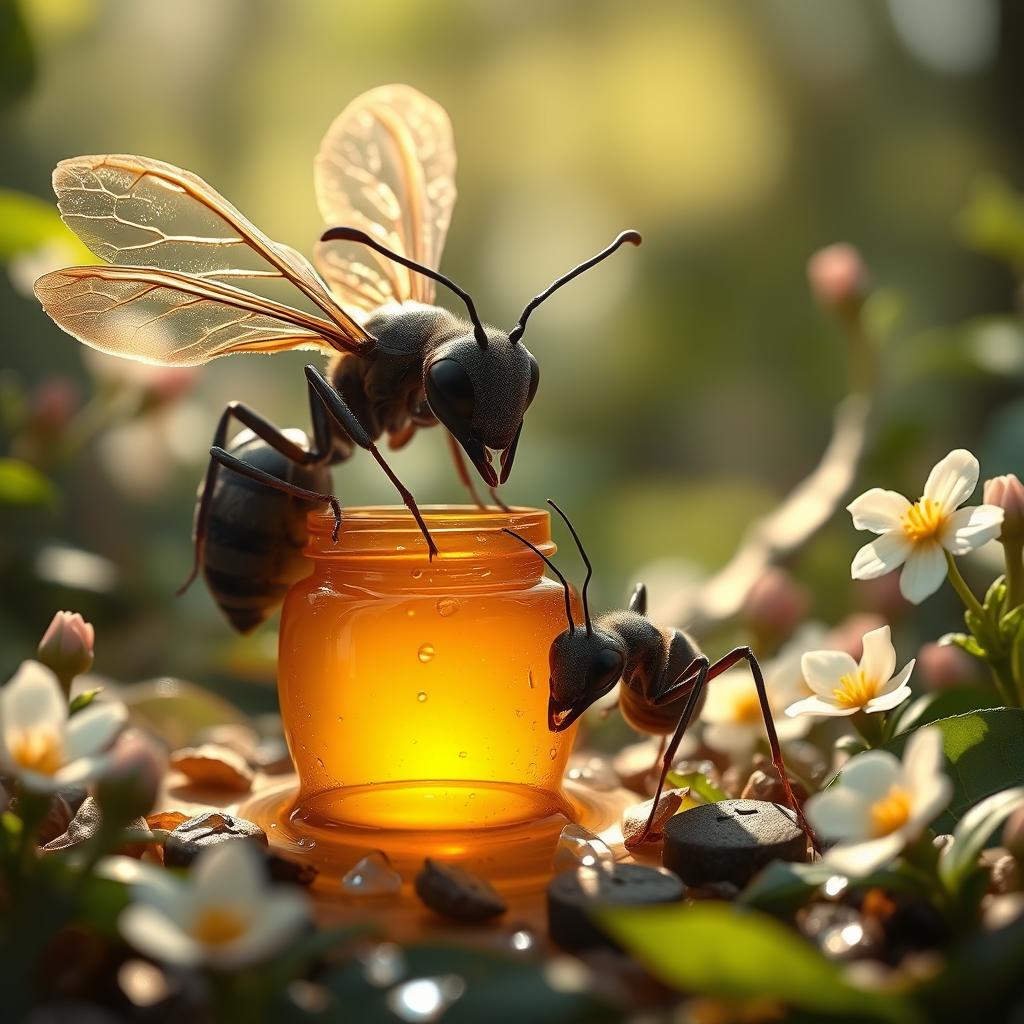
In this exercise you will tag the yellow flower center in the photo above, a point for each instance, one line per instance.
(38, 750)
(923, 520)
(216, 926)
(746, 707)
(855, 690)
(891, 812)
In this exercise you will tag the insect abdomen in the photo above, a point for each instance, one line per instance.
(255, 535)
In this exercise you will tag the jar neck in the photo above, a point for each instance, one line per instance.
(381, 549)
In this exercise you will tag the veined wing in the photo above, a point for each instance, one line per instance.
(157, 316)
(137, 212)
(386, 166)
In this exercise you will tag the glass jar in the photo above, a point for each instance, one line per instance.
(415, 693)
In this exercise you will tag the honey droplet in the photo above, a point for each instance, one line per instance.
(552, 753)
(463, 753)
(421, 696)
(447, 606)
(425, 653)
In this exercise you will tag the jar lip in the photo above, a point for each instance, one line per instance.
(389, 531)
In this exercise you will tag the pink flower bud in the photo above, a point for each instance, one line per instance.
(1007, 492)
(776, 604)
(53, 403)
(130, 784)
(942, 666)
(67, 646)
(838, 277)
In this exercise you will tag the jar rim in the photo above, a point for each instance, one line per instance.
(461, 531)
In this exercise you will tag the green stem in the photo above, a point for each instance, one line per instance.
(960, 586)
(1013, 552)
(869, 727)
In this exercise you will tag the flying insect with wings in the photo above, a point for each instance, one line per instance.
(175, 252)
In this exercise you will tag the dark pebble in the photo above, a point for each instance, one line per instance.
(205, 831)
(730, 841)
(574, 895)
(454, 892)
(283, 869)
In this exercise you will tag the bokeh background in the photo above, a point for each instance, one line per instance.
(686, 386)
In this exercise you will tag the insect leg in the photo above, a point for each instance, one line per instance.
(734, 657)
(346, 419)
(262, 428)
(496, 498)
(460, 467)
(236, 465)
(697, 680)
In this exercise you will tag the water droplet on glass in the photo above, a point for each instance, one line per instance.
(579, 847)
(306, 843)
(399, 547)
(383, 965)
(372, 876)
(522, 940)
(552, 753)
(463, 753)
(594, 772)
(519, 712)
(425, 653)
(447, 606)
(421, 696)
(424, 999)
(320, 761)
(531, 769)
(416, 573)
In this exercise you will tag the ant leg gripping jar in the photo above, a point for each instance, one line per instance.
(415, 694)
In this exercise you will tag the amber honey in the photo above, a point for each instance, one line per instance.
(414, 693)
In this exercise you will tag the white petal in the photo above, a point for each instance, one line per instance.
(929, 802)
(33, 699)
(151, 932)
(924, 572)
(230, 875)
(860, 859)
(93, 729)
(882, 555)
(899, 679)
(162, 889)
(81, 771)
(923, 759)
(953, 480)
(839, 813)
(37, 782)
(817, 706)
(969, 528)
(871, 774)
(879, 658)
(887, 701)
(824, 669)
(282, 915)
(877, 510)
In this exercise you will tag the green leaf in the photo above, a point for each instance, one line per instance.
(972, 832)
(83, 700)
(988, 640)
(699, 784)
(22, 484)
(993, 220)
(995, 596)
(1017, 659)
(27, 223)
(985, 751)
(716, 950)
(930, 707)
(965, 642)
(783, 887)
(1010, 623)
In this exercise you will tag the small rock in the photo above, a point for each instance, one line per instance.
(290, 872)
(765, 784)
(372, 876)
(214, 767)
(454, 892)
(85, 825)
(730, 841)
(191, 837)
(57, 819)
(578, 847)
(572, 897)
(635, 818)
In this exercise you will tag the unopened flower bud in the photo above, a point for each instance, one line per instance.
(776, 604)
(942, 666)
(1007, 493)
(67, 647)
(838, 277)
(1013, 834)
(130, 783)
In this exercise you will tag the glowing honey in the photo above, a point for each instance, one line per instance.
(414, 694)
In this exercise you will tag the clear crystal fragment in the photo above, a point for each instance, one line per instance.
(579, 847)
(372, 876)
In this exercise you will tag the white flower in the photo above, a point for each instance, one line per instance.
(917, 535)
(879, 805)
(732, 716)
(842, 687)
(40, 744)
(224, 914)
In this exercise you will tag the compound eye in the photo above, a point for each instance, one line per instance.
(534, 380)
(606, 666)
(450, 391)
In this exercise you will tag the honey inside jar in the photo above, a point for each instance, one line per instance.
(415, 693)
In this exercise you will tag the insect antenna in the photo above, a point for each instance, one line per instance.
(586, 562)
(554, 568)
(633, 237)
(347, 234)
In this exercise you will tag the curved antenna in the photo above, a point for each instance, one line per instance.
(347, 234)
(586, 562)
(633, 237)
(554, 568)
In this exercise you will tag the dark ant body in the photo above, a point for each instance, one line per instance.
(662, 673)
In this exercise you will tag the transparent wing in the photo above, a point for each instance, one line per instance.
(157, 316)
(137, 212)
(386, 166)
